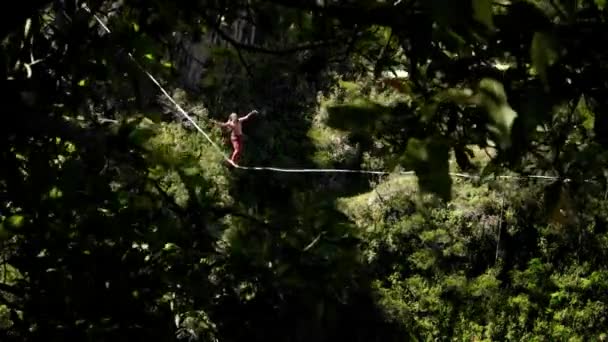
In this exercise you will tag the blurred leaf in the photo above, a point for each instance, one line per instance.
(492, 90)
(155, 117)
(543, 54)
(222, 52)
(143, 202)
(461, 96)
(361, 115)
(493, 99)
(490, 170)
(462, 155)
(15, 221)
(169, 247)
(482, 12)
(82, 83)
(452, 95)
(416, 150)
(144, 130)
(428, 111)
(536, 108)
(4, 233)
(601, 4)
(149, 56)
(141, 134)
(430, 160)
(448, 12)
(55, 193)
(503, 118)
(570, 6)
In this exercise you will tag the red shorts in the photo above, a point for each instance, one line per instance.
(237, 145)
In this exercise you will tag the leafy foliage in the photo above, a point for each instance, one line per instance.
(119, 221)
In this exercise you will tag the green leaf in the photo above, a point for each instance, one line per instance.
(135, 27)
(601, 4)
(349, 86)
(82, 82)
(149, 56)
(543, 54)
(482, 12)
(587, 116)
(191, 171)
(169, 246)
(167, 64)
(70, 148)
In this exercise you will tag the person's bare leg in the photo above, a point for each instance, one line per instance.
(236, 154)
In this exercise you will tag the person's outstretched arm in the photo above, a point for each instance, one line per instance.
(246, 117)
(221, 124)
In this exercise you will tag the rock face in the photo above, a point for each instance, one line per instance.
(193, 57)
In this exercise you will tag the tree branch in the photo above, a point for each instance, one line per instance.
(245, 65)
(280, 52)
(559, 9)
(378, 14)
(381, 56)
(168, 198)
(10, 289)
(233, 212)
(7, 302)
(11, 19)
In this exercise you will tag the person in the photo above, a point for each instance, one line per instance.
(234, 123)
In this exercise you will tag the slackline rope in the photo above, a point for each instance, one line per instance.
(288, 170)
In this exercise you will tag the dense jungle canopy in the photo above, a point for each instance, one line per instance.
(119, 221)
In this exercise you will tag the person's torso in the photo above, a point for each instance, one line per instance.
(236, 129)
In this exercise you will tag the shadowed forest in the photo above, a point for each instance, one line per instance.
(120, 221)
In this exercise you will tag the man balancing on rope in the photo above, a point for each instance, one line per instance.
(234, 123)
